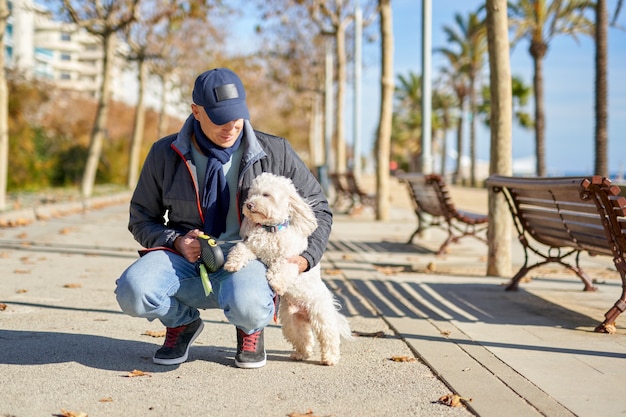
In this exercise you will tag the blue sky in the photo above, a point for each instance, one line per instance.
(568, 77)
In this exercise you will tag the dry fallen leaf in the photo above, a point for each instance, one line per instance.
(373, 334)
(152, 333)
(106, 400)
(309, 413)
(332, 271)
(453, 400)
(3, 306)
(445, 333)
(21, 271)
(403, 359)
(21, 291)
(73, 285)
(66, 413)
(136, 372)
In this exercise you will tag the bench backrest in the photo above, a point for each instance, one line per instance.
(563, 212)
(426, 192)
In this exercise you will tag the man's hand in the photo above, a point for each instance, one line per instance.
(302, 263)
(188, 245)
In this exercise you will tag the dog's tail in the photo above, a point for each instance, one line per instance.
(342, 322)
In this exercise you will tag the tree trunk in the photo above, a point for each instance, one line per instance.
(601, 61)
(340, 139)
(138, 129)
(458, 175)
(538, 51)
(98, 132)
(500, 222)
(162, 126)
(472, 103)
(4, 110)
(386, 111)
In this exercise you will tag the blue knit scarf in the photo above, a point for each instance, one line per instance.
(216, 195)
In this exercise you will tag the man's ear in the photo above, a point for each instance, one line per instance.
(195, 109)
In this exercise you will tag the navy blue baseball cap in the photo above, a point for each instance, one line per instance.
(222, 95)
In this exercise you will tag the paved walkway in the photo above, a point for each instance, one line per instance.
(64, 345)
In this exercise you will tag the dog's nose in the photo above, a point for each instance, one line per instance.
(250, 206)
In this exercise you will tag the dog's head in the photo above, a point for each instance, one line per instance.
(273, 200)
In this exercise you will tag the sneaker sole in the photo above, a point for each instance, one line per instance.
(179, 360)
(250, 365)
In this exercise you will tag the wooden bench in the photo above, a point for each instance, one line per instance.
(348, 193)
(433, 206)
(558, 218)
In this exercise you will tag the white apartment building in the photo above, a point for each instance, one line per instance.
(63, 53)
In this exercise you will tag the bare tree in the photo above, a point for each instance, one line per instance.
(4, 109)
(386, 111)
(106, 21)
(501, 120)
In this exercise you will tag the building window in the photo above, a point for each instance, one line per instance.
(66, 36)
(66, 57)
(66, 76)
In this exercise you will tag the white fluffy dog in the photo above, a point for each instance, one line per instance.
(275, 227)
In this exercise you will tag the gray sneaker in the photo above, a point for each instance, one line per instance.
(250, 350)
(177, 342)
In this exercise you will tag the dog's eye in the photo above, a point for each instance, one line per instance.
(266, 194)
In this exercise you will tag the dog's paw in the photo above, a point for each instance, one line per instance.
(329, 361)
(299, 356)
(278, 287)
(233, 265)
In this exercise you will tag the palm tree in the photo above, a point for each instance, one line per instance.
(540, 21)
(457, 79)
(383, 134)
(520, 93)
(499, 232)
(601, 88)
(407, 132)
(471, 38)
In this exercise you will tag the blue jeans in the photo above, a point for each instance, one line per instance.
(163, 285)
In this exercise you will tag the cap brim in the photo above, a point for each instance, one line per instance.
(225, 114)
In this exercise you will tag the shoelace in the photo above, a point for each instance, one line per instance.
(249, 341)
(171, 336)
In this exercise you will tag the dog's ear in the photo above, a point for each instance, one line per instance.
(301, 213)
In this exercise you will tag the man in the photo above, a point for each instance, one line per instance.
(194, 182)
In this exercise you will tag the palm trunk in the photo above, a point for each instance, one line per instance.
(386, 111)
(458, 175)
(500, 222)
(538, 51)
(472, 93)
(601, 134)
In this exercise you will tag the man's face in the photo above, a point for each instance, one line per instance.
(222, 135)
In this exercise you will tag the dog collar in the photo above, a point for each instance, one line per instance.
(275, 227)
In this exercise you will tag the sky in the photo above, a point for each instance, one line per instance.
(569, 86)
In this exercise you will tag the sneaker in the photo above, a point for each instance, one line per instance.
(250, 350)
(177, 342)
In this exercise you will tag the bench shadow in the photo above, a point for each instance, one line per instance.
(358, 246)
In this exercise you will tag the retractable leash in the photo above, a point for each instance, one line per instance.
(212, 260)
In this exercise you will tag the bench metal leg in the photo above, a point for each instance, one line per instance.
(608, 325)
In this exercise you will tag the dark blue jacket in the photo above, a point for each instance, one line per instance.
(166, 201)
